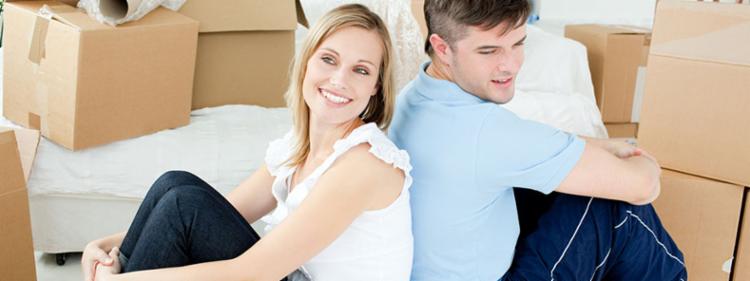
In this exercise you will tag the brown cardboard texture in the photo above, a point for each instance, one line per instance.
(615, 53)
(742, 260)
(28, 141)
(245, 50)
(16, 248)
(702, 216)
(83, 83)
(694, 116)
(622, 130)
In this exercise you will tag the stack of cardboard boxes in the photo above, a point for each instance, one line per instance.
(617, 60)
(81, 83)
(245, 49)
(84, 83)
(695, 122)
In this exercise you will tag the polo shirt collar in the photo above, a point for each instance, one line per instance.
(441, 90)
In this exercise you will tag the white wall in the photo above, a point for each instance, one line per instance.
(633, 12)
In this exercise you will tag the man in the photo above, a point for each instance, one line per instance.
(468, 153)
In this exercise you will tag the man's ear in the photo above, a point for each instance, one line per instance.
(441, 49)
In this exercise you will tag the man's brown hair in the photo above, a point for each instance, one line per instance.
(450, 18)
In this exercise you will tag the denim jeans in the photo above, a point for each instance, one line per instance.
(566, 237)
(182, 221)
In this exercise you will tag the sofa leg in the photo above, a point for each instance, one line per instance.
(61, 258)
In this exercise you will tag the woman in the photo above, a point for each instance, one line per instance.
(338, 188)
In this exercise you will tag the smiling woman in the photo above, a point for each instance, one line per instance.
(334, 191)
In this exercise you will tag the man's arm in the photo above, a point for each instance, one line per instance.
(614, 170)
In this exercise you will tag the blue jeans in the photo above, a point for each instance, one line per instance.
(565, 237)
(182, 221)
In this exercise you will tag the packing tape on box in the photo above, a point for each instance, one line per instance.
(38, 36)
(37, 52)
(38, 121)
(41, 25)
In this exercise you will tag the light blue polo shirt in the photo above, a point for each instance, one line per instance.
(467, 155)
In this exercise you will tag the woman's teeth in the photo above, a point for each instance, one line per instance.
(333, 98)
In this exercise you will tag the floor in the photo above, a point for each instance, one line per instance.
(48, 270)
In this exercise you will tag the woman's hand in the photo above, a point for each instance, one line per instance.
(102, 272)
(94, 254)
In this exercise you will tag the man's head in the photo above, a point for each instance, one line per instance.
(478, 44)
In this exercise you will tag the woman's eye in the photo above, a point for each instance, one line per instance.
(362, 71)
(328, 60)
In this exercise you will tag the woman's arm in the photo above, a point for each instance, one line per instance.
(96, 252)
(107, 243)
(343, 193)
(253, 198)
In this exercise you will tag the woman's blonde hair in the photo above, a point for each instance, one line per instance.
(381, 105)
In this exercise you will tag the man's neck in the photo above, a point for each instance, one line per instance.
(438, 70)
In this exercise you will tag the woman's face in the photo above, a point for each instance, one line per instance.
(342, 75)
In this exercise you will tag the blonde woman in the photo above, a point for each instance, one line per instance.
(334, 190)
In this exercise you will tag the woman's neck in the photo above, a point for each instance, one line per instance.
(323, 136)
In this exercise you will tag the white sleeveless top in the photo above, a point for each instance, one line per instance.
(378, 245)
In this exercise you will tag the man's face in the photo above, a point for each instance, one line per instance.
(485, 62)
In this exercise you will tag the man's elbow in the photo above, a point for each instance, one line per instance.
(648, 191)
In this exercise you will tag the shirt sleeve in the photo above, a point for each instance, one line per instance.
(278, 152)
(512, 152)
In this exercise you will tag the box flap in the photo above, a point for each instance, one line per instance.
(27, 142)
(242, 15)
(707, 31)
(301, 17)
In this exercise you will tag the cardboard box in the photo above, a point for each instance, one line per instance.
(16, 247)
(617, 58)
(83, 83)
(622, 130)
(695, 107)
(245, 50)
(702, 216)
(742, 257)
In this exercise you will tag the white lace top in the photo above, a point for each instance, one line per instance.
(378, 245)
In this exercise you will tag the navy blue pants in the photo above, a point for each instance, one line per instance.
(182, 221)
(565, 237)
